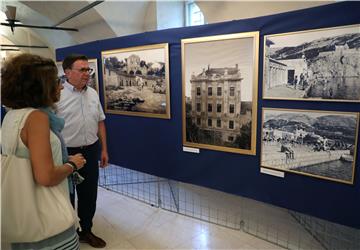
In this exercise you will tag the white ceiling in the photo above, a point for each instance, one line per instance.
(106, 20)
(119, 18)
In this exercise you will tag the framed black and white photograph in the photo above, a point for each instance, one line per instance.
(136, 81)
(321, 144)
(93, 81)
(220, 92)
(61, 73)
(321, 65)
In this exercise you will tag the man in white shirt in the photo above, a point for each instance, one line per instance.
(84, 127)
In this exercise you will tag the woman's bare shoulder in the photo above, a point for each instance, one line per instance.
(38, 118)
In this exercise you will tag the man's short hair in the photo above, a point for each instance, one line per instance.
(70, 59)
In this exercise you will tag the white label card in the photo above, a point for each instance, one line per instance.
(272, 172)
(191, 150)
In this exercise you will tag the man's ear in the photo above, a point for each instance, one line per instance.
(67, 71)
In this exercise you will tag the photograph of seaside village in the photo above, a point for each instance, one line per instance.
(313, 65)
(315, 143)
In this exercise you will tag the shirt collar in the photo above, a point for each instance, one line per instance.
(72, 88)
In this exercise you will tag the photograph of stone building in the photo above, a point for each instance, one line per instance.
(136, 81)
(319, 65)
(219, 92)
(315, 143)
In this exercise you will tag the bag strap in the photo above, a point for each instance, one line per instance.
(24, 115)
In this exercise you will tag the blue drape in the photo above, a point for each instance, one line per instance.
(154, 146)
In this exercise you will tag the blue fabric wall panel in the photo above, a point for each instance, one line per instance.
(154, 145)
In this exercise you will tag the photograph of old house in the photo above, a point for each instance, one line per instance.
(220, 92)
(315, 143)
(93, 81)
(321, 65)
(136, 81)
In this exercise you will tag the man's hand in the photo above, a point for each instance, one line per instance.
(104, 159)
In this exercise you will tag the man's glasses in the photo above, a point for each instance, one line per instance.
(84, 70)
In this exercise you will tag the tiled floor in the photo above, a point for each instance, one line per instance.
(126, 223)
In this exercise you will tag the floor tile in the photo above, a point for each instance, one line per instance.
(126, 223)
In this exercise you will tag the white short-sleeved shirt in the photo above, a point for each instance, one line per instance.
(82, 112)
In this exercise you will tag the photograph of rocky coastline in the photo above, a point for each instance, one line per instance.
(136, 81)
(315, 143)
(321, 64)
(219, 92)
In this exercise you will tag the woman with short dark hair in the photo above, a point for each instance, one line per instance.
(29, 88)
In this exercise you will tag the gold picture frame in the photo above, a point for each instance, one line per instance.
(136, 81)
(94, 77)
(313, 65)
(315, 143)
(219, 92)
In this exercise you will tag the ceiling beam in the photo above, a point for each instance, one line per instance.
(10, 50)
(14, 25)
(93, 4)
(23, 46)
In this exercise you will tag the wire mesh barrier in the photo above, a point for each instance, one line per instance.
(277, 225)
(332, 236)
(131, 183)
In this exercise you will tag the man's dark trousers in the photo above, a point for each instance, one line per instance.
(87, 190)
